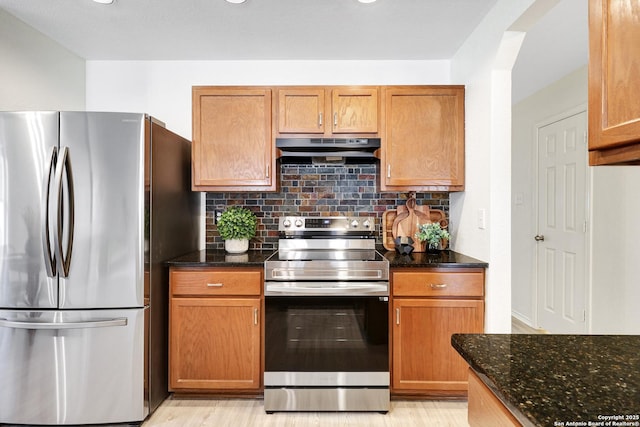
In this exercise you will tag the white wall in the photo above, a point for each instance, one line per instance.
(614, 270)
(484, 64)
(36, 73)
(568, 94)
(615, 243)
(163, 88)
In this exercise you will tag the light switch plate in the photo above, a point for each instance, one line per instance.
(519, 199)
(482, 219)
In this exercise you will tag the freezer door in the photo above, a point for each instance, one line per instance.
(28, 151)
(82, 367)
(106, 156)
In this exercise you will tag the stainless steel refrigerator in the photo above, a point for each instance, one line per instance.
(91, 205)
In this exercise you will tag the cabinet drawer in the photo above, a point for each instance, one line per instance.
(208, 282)
(436, 284)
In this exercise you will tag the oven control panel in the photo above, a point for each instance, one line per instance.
(333, 223)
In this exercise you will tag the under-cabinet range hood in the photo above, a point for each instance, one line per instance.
(328, 150)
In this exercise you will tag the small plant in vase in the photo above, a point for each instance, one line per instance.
(433, 235)
(236, 226)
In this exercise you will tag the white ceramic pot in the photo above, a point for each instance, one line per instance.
(236, 246)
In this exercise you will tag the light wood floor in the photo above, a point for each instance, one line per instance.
(519, 327)
(180, 412)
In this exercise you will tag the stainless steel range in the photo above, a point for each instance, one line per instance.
(326, 315)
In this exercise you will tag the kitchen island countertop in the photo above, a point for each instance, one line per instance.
(559, 380)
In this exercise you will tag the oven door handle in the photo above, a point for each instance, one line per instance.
(321, 288)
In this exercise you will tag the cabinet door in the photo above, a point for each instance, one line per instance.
(423, 144)
(423, 358)
(301, 111)
(354, 110)
(232, 140)
(614, 87)
(214, 344)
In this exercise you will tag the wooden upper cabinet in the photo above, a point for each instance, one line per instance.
(423, 142)
(232, 146)
(328, 111)
(301, 111)
(614, 86)
(354, 110)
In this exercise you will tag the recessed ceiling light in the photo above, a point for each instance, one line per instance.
(103, 1)
(366, 1)
(235, 1)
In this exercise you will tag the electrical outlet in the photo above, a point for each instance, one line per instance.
(216, 216)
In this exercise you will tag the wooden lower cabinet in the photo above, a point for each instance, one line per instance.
(214, 341)
(426, 311)
(485, 409)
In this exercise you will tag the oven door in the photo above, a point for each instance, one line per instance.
(326, 341)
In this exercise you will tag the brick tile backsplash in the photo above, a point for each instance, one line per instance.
(314, 190)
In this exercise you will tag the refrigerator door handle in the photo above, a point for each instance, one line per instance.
(121, 321)
(49, 258)
(64, 165)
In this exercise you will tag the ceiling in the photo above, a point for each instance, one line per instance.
(302, 30)
(256, 29)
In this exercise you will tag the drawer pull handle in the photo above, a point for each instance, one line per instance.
(438, 286)
(214, 285)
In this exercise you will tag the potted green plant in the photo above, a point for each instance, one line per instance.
(236, 226)
(433, 235)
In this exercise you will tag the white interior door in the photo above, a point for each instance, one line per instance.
(562, 225)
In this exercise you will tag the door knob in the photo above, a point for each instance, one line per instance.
(539, 238)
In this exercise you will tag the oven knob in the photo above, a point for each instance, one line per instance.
(286, 223)
(354, 223)
(366, 224)
(298, 223)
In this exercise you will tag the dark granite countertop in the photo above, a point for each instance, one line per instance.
(220, 258)
(559, 380)
(444, 259)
